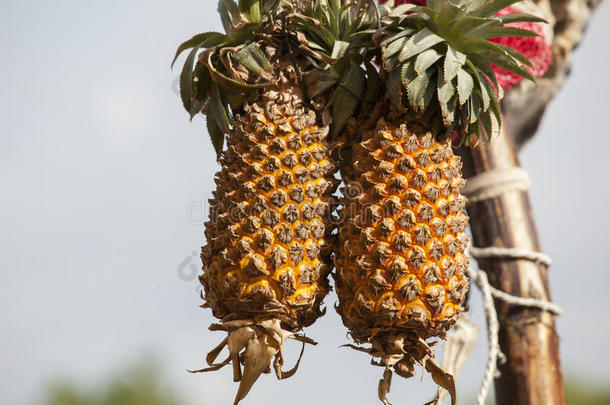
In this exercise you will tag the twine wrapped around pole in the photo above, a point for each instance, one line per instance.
(489, 293)
(492, 184)
(502, 225)
(532, 374)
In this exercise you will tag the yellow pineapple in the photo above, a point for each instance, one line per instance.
(274, 90)
(267, 245)
(402, 246)
(267, 259)
(401, 265)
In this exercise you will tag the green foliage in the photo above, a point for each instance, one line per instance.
(139, 385)
(222, 71)
(437, 60)
(336, 34)
(577, 391)
(230, 65)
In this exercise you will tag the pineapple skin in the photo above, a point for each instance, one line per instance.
(401, 263)
(269, 243)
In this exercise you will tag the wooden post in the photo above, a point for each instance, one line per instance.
(532, 373)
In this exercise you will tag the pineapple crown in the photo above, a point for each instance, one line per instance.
(223, 71)
(437, 61)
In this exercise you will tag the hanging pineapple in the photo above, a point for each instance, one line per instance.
(274, 83)
(401, 264)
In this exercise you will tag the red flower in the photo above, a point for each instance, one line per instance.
(534, 48)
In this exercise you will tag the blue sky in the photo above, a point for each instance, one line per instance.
(99, 168)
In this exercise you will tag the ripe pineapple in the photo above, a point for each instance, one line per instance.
(269, 244)
(401, 267)
(401, 264)
(270, 217)
(267, 257)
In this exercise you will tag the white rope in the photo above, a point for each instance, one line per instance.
(493, 328)
(493, 183)
(515, 253)
(527, 302)
(512, 253)
(489, 293)
(487, 185)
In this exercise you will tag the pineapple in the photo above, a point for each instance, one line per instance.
(267, 259)
(279, 90)
(268, 235)
(401, 266)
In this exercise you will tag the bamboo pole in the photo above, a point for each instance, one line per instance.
(532, 373)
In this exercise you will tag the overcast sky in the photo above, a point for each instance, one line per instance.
(102, 178)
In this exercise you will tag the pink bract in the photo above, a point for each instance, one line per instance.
(534, 48)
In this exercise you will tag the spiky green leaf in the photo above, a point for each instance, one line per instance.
(418, 43)
(347, 97)
(339, 49)
(469, 24)
(319, 81)
(228, 10)
(186, 80)
(204, 40)
(450, 13)
(481, 88)
(394, 47)
(486, 122)
(454, 60)
(426, 59)
(250, 10)
(465, 86)
(407, 73)
(217, 136)
(474, 108)
(500, 32)
(401, 10)
(222, 79)
(491, 7)
(418, 90)
(521, 17)
(373, 88)
(252, 58)
(512, 52)
(509, 64)
(202, 79)
(218, 109)
(483, 65)
(448, 111)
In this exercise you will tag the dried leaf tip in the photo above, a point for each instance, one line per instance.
(398, 353)
(257, 346)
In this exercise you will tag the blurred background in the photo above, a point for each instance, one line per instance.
(103, 190)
